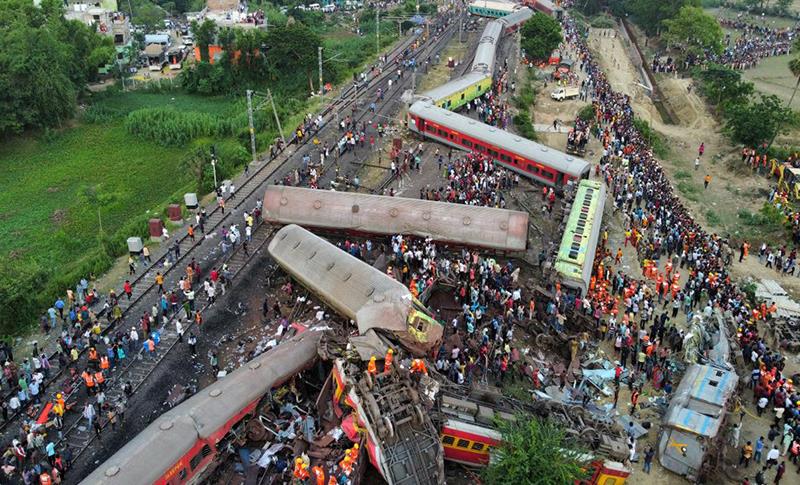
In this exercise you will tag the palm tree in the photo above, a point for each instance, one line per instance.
(794, 66)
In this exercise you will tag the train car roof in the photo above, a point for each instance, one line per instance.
(528, 149)
(152, 452)
(487, 227)
(494, 4)
(454, 86)
(357, 290)
(487, 46)
(517, 17)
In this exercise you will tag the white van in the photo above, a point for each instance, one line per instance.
(314, 7)
(330, 8)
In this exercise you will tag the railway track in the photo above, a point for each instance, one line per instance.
(74, 434)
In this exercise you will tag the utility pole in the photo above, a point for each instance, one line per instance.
(251, 125)
(378, 30)
(277, 120)
(319, 52)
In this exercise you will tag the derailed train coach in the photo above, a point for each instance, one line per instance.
(182, 445)
(356, 290)
(497, 230)
(534, 161)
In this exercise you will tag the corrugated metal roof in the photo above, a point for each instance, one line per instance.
(523, 147)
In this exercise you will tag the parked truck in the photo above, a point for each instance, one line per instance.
(563, 93)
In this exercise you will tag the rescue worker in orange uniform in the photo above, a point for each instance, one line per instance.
(372, 369)
(100, 379)
(300, 470)
(104, 363)
(418, 367)
(87, 378)
(319, 475)
(387, 361)
(93, 358)
(45, 479)
(346, 465)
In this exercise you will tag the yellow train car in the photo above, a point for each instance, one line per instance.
(458, 92)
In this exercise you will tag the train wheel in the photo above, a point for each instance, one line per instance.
(591, 437)
(419, 417)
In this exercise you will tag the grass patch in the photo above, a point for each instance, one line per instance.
(683, 175)
(660, 147)
(689, 190)
(713, 218)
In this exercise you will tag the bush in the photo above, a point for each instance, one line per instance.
(587, 113)
(524, 125)
(169, 127)
(657, 142)
(602, 22)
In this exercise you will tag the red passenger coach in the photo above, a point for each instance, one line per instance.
(468, 444)
(536, 162)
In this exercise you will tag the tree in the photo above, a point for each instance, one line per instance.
(534, 451)
(650, 14)
(204, 35)
(759, 122)
(794, 66)
(291, 48)
(694, 30)
(783, 5)
(724, 86)
(45, 63)
(540, 36)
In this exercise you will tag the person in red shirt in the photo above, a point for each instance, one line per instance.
(128, 288)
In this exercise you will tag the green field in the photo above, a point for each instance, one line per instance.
(772, 76)
(44, 212)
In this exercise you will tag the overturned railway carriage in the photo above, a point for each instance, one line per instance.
(513, 21)
(576, 253)
(182, 443)
(530, 159)
(485, 54)
(355, 289)
(694, 419)
(484, 227)
(492, 8)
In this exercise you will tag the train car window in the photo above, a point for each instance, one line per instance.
(463, 443)
(477, 446)
(448, 440)
(432, 128)
(182, 474)
(547, 175)
(493, 153)
(463, 95)
(505, 157)
(559, 178)
(452, 136)
(195, 460)
(466, 143)
(533, 169)
(480, 148)
(442, 133)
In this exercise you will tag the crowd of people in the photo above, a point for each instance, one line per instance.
(32, 453)
(753, 44)
(472, 179)
(669, 241)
